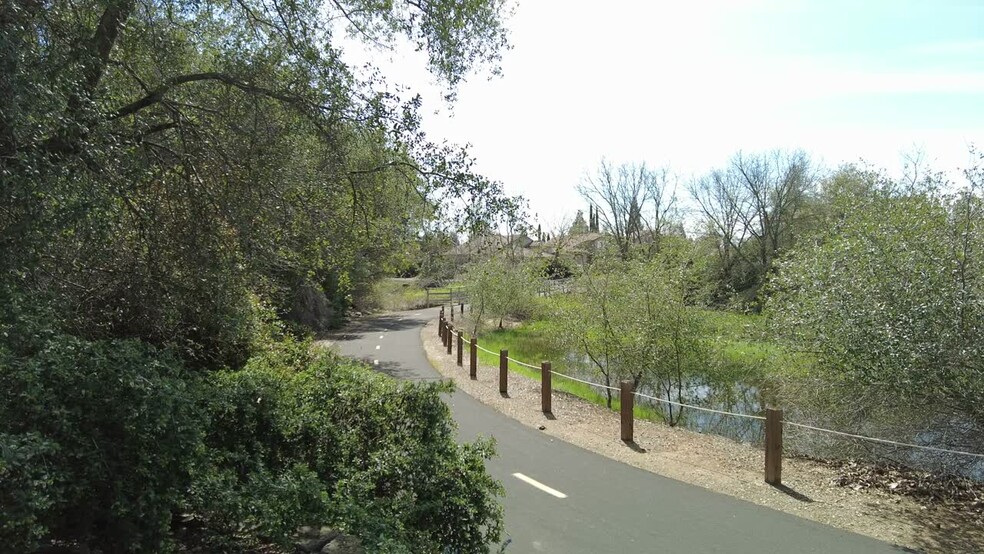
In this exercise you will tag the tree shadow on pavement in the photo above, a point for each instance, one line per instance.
(398, 371)
(382, 323)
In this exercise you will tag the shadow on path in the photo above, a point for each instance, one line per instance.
(399, 371)
(792, 493)
(382, 323)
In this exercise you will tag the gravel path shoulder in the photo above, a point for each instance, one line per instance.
(716, 463)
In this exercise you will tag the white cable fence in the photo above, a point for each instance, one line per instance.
(524, 364)
(486, 350)
(699, 408)
(775, 420)
(885, 441)
(599, 385)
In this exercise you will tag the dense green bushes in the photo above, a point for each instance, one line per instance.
(161, 166)
(113, 444)
(26, 489)
(115, 428)
(383, 453)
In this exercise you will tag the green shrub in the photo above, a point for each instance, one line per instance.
(27, 490)
(384, 455)
(120, 428)
(114, 445)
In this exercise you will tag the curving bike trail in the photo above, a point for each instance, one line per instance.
(563, 499)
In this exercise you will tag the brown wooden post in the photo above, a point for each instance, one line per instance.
(460, 349)
(462, 308)
(473, 359)
(440, 329)
(450, 334)
(773, 446)
(627, 400)
(546, 387)
(452, 312)
(503, 371)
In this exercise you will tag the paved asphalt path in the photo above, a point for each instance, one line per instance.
(608, 506)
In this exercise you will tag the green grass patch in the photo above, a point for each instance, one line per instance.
(741, 349)
(530, 343)
(404, 294)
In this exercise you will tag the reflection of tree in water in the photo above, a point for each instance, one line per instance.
(731, 397)
(830, 408)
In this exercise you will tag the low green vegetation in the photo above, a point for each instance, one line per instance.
(104, 442)
(531, 343)
(189, 190)
(398, 295)
(408, 294)
(745, 349)
(852, 300)
(738, 347)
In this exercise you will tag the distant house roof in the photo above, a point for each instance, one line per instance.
(485, 244)
(573, 242)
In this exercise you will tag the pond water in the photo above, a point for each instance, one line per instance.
(743, 398)
(737, 398)
(732, 397)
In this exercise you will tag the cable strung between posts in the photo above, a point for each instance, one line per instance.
(885, 441)
(524, 364)
(479, 346)
(746, 416)
(583, 381)
(682, 405)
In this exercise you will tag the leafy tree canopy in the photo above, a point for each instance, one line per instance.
(158, 158)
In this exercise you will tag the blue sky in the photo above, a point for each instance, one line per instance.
(687, 84)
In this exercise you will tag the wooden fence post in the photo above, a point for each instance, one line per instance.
(546, 387)
(460, 349)
(503, 371)
(473, 359)
(627, 400)
(461, 308)
(452, 312)
(450, 334)
(773, 446)
(440, 329)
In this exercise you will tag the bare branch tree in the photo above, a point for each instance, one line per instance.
(725, 206)
(755, 204)
(634, 203)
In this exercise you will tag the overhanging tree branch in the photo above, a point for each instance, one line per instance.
(158, 94)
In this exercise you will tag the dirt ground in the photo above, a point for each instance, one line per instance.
(809, 488)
